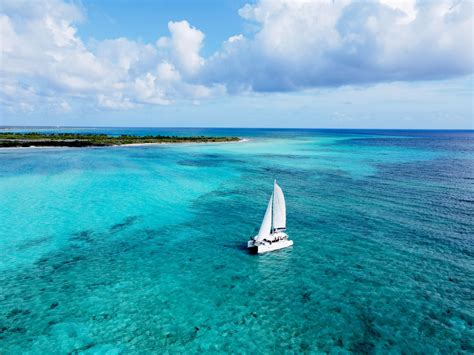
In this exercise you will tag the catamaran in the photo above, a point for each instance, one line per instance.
(271, 235)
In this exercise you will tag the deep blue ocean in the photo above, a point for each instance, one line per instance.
(142, 249)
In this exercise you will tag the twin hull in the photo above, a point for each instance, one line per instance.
(263, 247)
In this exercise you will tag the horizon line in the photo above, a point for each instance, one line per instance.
(216, 127)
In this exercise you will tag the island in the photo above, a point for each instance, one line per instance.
(14, 139)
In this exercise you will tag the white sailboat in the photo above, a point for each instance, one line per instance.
(271, 235)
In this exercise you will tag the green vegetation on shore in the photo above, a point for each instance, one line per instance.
(10, 139)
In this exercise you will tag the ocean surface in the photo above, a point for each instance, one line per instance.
(142, 249)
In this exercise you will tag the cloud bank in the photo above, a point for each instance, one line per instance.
(295, 45)
(304, 44)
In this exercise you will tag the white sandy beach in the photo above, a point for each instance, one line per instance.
(243, 140)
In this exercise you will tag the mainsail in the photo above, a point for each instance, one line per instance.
(279, 209)
(265, 228)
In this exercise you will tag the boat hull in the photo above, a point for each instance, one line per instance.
(259, 248)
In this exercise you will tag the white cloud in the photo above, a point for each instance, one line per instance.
(304, 44)
(167, 72)
(184, 46)
(297, 45)
(44, 59)
(115, 101)
(148, 91)
(64, 106)
(407, 7)
(42, 48)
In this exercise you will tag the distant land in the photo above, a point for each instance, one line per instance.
(10, 140)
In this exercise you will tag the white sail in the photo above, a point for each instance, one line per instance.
(279, 208)
(266, 226)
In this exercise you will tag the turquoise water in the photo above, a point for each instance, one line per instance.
(142, 249)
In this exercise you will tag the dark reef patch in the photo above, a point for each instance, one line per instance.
(366, 342)
(33, 242)
(18, 312)
(86, 236)
(455, 143)
(124, 224)
(210, 160)
(283, 156)
(209, 163)
(18, 330)
(306, 297)
(68, 262)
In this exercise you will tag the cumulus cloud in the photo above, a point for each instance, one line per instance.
(304, 44)
(296, 45)
(43, 60)
(184, 44)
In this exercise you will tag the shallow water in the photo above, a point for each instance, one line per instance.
(138, 249)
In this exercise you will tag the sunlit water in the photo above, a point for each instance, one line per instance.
(141, 249)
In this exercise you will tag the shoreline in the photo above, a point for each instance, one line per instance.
(242, 140)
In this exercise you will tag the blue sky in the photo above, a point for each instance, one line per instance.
(147, 21)
(267, 63)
